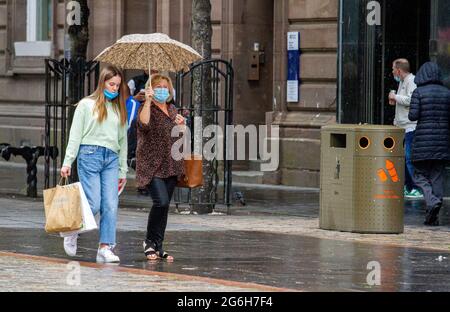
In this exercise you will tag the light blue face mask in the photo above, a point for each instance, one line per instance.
(110, 95)
(397, 78)
(161, 95)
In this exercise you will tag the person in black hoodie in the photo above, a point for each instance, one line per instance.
(430, 106)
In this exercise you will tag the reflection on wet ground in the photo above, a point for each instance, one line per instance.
(306, 204)
(286, 261)
(278, 260)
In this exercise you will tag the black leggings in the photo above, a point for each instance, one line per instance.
(161, 191)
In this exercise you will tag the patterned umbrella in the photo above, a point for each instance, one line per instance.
(151, 51)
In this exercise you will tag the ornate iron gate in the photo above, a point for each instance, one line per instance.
(66, 82)
(220, 77)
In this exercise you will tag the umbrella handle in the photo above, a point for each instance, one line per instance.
(149, 69)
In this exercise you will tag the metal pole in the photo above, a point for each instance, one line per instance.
(340, 59)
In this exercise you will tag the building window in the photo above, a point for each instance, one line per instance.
(39, 20)
(38, 30)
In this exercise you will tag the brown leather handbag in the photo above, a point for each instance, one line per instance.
(193, 169)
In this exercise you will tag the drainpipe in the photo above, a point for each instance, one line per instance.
(339, 64)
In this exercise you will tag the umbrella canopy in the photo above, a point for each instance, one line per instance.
(149, 51)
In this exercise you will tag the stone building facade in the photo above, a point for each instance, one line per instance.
(237, 26)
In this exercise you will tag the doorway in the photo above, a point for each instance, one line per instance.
(440, 37)
(366, 53)
(406, 34)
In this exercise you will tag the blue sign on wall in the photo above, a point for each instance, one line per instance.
(293, 72)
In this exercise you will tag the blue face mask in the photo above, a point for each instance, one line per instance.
(161, 95)
(397, 78)
(110, 95)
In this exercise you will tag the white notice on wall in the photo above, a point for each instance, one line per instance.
(293, 41)
(292, 91)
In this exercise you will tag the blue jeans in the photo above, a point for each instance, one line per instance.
(98, 170)
(409, 167)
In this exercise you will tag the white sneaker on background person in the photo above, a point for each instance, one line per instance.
(70, 245)
(106, 255)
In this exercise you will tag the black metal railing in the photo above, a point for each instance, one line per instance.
(31, 156)
(216, 107)
(66, 83)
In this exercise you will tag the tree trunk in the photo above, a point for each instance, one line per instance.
(79, 40)
(79, 34)
(201, 35)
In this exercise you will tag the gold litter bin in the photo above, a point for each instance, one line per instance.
(362, 178)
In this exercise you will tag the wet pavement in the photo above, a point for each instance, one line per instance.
(285, 261)
(295, 202)
(272, 241)
(52, 275)
(260, 199)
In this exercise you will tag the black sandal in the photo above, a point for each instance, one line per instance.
(164, 255)
(149, 250)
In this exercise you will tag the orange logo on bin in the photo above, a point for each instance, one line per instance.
(382, 175)
(387, 194)
(390, 167)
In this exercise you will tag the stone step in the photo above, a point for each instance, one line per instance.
(253, 177)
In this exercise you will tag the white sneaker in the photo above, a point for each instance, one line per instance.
(105, 255)
(70, 245)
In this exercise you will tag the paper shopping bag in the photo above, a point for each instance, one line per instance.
(63, 209)
(89, 223)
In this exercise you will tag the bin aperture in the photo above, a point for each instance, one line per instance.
(364, 142)
(389, 143)
(338, 140)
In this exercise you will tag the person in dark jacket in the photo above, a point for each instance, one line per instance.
(430, 106)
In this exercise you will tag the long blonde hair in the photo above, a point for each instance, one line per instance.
(119, 103)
